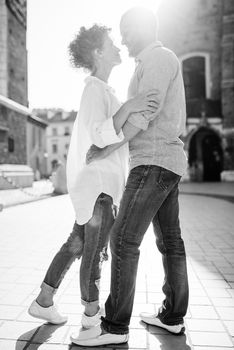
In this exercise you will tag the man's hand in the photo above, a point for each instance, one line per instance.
(96, 153)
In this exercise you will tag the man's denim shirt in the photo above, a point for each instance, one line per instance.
(158, 143)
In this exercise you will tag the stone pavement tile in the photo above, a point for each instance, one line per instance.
(71, 308)
(13, 298)
(68, 299)
(197, 292)
(137, 323)
(137, 308)
(203, 312)
(215, 284)
(25, 317)
(231, 292)
(155, 298)
(12, 345)
(228, 269)
(208, 275)
(167, 342)
(211, 348)
(229, 277)
(21, 288)
(137, 340)
(218, 292)
(222, 301)
(10, 312)
(230, 327)
(193, 300)
(18, 330)
(210, 339)
(226, 313)
(204, 325)
(49, 347)
(49, 333)
(140, 297)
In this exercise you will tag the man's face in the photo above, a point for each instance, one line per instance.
(130, 37)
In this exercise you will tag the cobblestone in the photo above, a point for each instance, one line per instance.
(31, 233)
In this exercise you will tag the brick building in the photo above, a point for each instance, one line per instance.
(201, 33)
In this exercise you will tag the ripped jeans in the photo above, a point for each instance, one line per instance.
(89, 241)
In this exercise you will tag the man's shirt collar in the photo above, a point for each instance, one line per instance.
(143, 54)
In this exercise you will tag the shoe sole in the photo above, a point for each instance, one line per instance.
(94, 344)
(170, 331)
(44, 319)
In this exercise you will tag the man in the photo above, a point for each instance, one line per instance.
(157, 162)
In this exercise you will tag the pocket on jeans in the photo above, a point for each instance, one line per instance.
(166, 178)
(135, 178)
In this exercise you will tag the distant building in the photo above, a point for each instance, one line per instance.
(201, 33)
(22, 135)
(13, 52)
(58, 134)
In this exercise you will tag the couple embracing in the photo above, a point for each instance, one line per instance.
(144, 135)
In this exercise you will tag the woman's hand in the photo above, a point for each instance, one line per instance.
(96, 153)
(143, 102)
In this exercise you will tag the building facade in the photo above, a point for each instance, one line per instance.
(13, 52)
(22, 135)
(58, 134)
(201, 33)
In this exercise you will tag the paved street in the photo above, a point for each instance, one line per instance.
(31, 234)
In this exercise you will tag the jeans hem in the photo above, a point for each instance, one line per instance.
(94, 302)
(46, 287)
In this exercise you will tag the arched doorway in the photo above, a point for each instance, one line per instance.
(205, 155)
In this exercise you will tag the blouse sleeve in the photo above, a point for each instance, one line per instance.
(99, 126)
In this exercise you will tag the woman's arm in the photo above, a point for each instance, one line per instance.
(96, 153)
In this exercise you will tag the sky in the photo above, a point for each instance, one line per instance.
(51, 26)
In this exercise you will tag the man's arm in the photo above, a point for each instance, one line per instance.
(157, 73)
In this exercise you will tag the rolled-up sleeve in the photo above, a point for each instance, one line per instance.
(98, 123)
(106, 132)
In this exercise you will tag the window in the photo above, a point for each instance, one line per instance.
(3, 134)
(54, 132)
(194, 74)
(11, 145)
(67, 146)
(54, 164)
(67, 131)
(54, 148)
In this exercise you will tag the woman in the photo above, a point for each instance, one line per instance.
(94, 188)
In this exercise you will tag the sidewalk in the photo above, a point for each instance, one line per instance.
(32, 233)
(222, 190)
(40, 190)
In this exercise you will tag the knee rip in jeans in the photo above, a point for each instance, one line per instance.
(103, 256)
(76, 246)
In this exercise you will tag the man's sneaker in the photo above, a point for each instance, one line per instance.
(49, 314)
(94, 337)
(153, 320)
(91, 321)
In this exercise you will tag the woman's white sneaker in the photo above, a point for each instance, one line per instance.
(91, 321)
(153, 320)
(49, 314)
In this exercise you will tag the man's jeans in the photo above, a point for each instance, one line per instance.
(89, 241)
(151, 195)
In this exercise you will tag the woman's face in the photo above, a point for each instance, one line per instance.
(110, 53)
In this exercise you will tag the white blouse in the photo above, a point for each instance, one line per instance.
(94, 125)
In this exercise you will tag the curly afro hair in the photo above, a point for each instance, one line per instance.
(85, 42)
